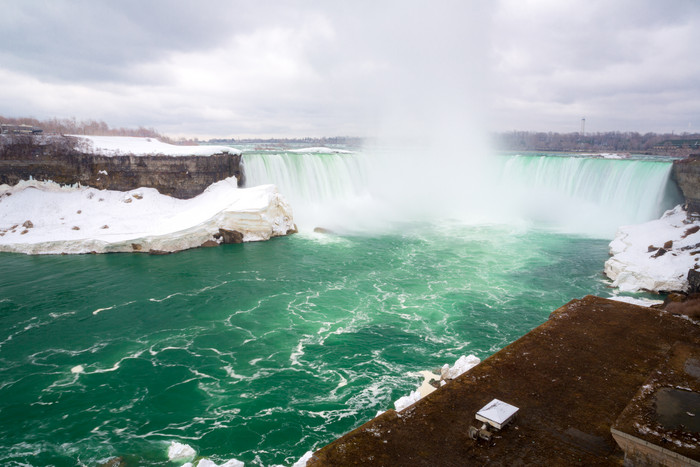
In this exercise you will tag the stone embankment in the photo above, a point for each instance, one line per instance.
(56, 159)
(593, 370)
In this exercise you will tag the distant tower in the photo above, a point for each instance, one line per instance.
(583, 126)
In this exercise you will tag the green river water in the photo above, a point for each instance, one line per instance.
(264, 351)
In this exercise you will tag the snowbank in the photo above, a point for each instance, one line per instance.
(45, 218)
(656, 255)
(447, 373)
(122, 145)
(179, 451)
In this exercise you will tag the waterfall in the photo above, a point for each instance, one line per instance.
(587, 195)
(573, 194)
(322, 187)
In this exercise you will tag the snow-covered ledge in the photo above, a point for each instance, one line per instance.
(45, 218)
(655, 256)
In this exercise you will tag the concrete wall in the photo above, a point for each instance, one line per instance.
(56, 159)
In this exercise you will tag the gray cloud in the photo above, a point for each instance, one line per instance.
(222, 68)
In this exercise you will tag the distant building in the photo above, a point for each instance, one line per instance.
(19, 129)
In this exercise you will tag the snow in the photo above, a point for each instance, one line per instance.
(179, 451)
(462, 365)
(123, 145)
(45, 218)
(304, 459)
(447, 373)
(406, 401)
(632, 267)
(230, 463)
(635, 301)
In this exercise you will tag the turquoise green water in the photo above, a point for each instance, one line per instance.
(264, 351)
(259, 351)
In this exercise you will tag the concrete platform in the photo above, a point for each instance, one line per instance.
(571, 377)
(661, 424)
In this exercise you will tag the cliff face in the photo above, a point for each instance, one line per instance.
(56, 159)
(686, 172)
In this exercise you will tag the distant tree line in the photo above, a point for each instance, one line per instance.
(614, 141)
(71, 126)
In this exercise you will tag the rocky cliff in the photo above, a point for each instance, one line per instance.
(686, 172)
(57, 159)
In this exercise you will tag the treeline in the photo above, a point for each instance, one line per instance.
(615, 141)
(71, 126)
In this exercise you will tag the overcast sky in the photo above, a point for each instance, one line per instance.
(324, 68)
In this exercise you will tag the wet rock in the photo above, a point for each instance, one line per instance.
(158, 252)
(693, 281)
(209, 244)
(231, 236)
(660, 252)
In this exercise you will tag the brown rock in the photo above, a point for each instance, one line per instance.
(668, 245)
(28, 224)
(105, 227)
(114, 462)
(231, 236)
(24, 232)
(209, 244)
(690, 230)
(693, 281)
(136, 247)
(158, 252)
(661, 252)
(75, 227)
(690, 308)
(652, 248)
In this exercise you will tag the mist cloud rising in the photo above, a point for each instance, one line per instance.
(221, 68)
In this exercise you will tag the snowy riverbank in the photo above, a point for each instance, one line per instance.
(123, 145)
(45, 218)
(655, 256)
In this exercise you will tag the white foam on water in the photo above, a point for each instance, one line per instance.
(78, 369)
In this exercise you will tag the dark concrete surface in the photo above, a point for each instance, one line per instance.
(571, 377)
